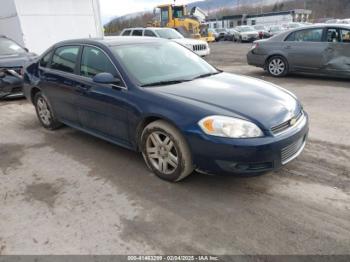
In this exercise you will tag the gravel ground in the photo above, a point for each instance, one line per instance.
(66, 192)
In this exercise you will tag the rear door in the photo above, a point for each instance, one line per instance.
(337, 57)
(305, 49)
(102, 108)
(59, 80)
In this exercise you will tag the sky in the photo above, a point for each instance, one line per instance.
(113, 8)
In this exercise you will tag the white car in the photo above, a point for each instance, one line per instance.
(247, 33)
(200, 47)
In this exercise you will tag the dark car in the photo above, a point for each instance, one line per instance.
(12, 59)
(157, 97)
(318, 49)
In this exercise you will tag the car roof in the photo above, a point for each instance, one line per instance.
(112, 41)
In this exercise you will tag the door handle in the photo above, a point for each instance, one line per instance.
(81, 88)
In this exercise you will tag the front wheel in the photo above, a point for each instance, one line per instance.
(44, 112)
(166, 152)
(277, 66)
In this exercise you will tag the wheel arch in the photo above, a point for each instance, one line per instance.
(146, 121)
(33, 92)
(276, 55)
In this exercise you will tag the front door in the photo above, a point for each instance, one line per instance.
(337, 57)
(103, 109)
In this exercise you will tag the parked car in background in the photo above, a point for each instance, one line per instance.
(289, 26)
(223, 34)
(233, 35)
(156, 97)
(318, 49)
(12, 59)
(275, 30)
(214, 33)
(247, 33)
(263, 31)
(200, 47)
(345, 21)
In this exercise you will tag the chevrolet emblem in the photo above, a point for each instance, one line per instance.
(293, 121)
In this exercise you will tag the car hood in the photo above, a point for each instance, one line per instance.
(227, 94)
(16, 60)
(250, 33)
(187, 41)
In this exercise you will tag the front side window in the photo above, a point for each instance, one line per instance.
(65, 58)
(94, 61)
(150, 33)
(333, 35)
(9, 47)
(306, 35)
(44, 62)
(157, 62)
(345, 35)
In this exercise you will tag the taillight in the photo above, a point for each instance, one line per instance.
(255, 46)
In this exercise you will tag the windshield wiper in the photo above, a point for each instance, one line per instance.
(164, 83)
(207, 75)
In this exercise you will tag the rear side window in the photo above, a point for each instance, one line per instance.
(94, 61)
(65, 58)
(44, 62)
(150, 33)
(306, 35)
(137, 33)
(126, 33)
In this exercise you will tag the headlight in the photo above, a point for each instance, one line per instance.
(224, 126)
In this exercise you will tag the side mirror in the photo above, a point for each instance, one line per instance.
(106, 78)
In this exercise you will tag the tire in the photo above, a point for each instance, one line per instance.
(44, 112)
(166, 152)
(277, 66)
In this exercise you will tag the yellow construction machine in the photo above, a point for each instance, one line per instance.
(189, 25)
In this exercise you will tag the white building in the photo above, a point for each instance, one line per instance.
(37, 24)
(274, 18)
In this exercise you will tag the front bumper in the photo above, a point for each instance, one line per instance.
(11, 86)
(238, 156)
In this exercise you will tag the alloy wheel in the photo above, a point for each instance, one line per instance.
(277, 66)
(44, 111)
(161, 152)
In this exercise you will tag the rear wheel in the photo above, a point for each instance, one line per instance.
(277, 66)
(44, 112)
(166, 152)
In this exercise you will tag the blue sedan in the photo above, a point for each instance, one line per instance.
(157, 97)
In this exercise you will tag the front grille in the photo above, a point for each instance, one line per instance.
(199, 47)
(290, 152)
(285, 125)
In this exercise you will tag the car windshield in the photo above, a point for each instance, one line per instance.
(245, 29)
(161, 62)
(169, 34)
(8, 47)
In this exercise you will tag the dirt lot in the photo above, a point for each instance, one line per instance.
(66, 192)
